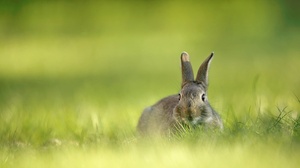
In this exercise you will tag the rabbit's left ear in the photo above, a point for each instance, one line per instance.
(186, 69)
(202, 75)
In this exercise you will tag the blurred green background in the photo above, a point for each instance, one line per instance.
(130, 47)
(80, 72)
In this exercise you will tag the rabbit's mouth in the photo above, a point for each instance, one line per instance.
(193, 121)
(202, 120)
(196, 121)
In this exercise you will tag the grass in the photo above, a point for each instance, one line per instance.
(267, 141)
(90, 120)
(72, 88)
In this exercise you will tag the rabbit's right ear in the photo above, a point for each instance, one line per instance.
(202, 75)
(186, 69)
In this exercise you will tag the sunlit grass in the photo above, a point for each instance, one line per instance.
(89, 122)
(77, 119)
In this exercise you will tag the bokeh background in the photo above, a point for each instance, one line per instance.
(76, 38)
(80, 72)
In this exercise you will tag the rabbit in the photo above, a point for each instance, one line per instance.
(189, 107)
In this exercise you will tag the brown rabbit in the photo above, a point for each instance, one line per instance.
(189, 107)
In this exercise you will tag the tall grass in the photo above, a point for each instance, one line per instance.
(90, 121)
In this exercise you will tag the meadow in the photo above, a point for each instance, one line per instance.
(75, 77)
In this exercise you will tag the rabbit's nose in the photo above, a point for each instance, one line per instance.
(189, 116)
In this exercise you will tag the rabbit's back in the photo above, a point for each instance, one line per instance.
(159, 117)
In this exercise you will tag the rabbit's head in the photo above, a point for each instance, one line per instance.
(193, 107)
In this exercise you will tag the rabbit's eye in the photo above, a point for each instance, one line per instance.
(179, 95)
(203, 97)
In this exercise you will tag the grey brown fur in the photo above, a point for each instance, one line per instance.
(190, 107)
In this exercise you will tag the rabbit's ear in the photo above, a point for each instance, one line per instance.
(186, 69)
(202, 76)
